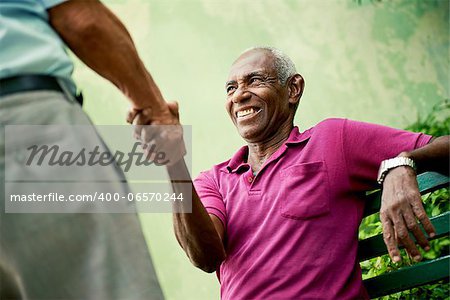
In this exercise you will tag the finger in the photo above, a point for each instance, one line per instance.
(174, 133)
(403, 236)
(137, 130)
(131, 114)
(147, 114)
(413, 226)
(389, 238)
(139, 120)
(150, 150)
(169, 151)
(420, 213)
(149, 133)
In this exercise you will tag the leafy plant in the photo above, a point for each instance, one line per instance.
(436, 123)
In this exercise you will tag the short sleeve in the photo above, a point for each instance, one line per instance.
(365, 145)
(210, 196)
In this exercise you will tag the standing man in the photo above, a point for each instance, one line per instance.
(70, 256)
(279, 220)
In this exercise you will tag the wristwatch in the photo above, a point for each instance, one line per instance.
(389, 164)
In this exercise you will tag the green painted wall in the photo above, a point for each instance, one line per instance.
(376, 61)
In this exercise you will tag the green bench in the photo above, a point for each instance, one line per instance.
(405, 278)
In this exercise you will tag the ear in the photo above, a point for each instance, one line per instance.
(296, 86)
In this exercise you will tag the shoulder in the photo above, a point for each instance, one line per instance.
(331, 123)
(350, 125)
(327, 126)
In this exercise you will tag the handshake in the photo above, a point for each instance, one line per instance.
(159, 131)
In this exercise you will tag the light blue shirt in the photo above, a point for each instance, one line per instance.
(29, 45)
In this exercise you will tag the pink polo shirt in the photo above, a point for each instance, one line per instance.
(292, 230)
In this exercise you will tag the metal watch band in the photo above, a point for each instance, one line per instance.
(389, 164)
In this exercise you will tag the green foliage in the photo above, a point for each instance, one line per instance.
(436, 123)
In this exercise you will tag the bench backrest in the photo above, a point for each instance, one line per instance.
(426, 272)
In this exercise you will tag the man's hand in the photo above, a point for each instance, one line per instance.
(401, 204)
(167, 115)
(159, 131)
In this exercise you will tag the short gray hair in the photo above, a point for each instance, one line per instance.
(283, 64)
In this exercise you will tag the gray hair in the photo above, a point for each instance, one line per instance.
(283, 64)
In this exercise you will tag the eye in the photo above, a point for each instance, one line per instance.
(230, 89)
(255, 79)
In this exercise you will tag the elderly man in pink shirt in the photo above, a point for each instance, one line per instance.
(279, 220)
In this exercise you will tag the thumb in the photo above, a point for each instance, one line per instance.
(173, 108)
(131, 114)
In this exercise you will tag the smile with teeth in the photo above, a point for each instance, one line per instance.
(246, 112)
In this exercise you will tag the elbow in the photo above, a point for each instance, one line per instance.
(205, 268)
(206, 253)
(207, 259)
(208, 264)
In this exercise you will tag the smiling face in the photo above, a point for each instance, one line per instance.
(258, 104)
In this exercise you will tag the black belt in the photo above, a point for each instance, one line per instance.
(28, 83)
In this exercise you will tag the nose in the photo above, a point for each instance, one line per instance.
(240, 95)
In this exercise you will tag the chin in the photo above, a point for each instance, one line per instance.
(250, 133)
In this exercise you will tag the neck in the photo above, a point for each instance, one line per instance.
(259, 152)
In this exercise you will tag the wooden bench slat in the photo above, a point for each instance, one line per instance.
(431, 181)
(428, 181)
(424, 273)
(374, 246)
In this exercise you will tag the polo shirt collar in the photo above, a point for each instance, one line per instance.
(297, 137)
(239, 159)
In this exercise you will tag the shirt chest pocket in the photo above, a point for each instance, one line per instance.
(305, 191)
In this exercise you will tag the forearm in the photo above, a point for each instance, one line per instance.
(101, 41)
(195, 231)
(432, 157)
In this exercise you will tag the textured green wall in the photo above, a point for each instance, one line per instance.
(376, 61)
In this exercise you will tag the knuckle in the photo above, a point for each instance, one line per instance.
(412, 226)
(392, 206)
(387, 239)
(383, 215)
(402, 234)
(398, 223)
(401, 196)
(386, 223)
(392, 250)
(421, 215)
(396, 206)
(387, 235)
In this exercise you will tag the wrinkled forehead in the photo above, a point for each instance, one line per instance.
(252, 61)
